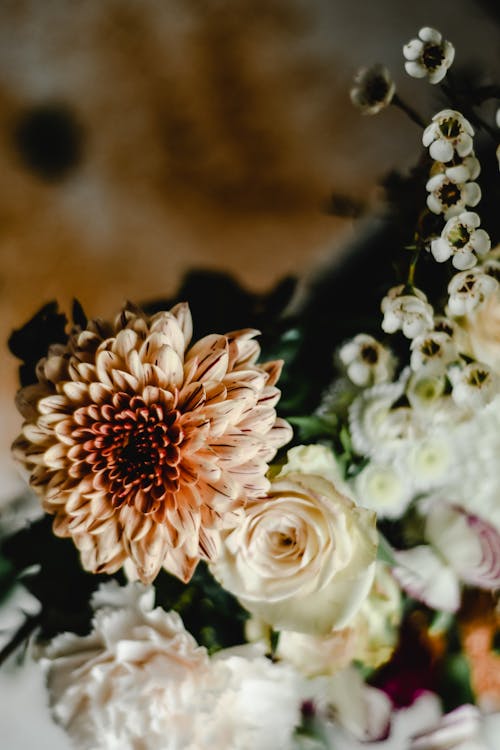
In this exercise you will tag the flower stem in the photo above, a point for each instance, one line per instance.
(410, 281)
(412, 114)
(21, 635)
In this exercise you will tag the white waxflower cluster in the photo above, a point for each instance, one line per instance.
(429, 56)
(462, 240)
(451, 186)
(373, 89)
(408, 311)
(366, 360)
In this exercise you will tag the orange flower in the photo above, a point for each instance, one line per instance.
(143, 448)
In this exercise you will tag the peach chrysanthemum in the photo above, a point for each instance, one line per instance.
(143, 448)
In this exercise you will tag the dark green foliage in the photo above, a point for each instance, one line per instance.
(50, 569)
(30, 342)
(209, 612)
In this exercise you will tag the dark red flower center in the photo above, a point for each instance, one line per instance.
(432, 56)
(134, 450)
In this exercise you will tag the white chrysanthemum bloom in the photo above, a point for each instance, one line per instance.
(410, 313)
(449, 197)
(468, 290)
(384, 489)
(449, 133)
(373, 89)
(498, 155)
(432, 352)
(367, 361)
(429, 460)
(142, 446)
(461, 240)
(428, 56)
(474, 385)
(302, 557)
(424, 391)
(475, 481)
(377, 429)
(139, 680)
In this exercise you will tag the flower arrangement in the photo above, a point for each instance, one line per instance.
(209, 576)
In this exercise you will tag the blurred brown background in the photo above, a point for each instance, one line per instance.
(141, 139)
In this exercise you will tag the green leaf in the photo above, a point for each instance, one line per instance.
(311, 428)
(210, 613)
(456, 688)
(30, 342)
(385, 552)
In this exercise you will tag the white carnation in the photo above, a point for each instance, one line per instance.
(140, 681)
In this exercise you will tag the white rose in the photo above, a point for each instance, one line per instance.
(302, 558)
(370, 637)
(314, 459)
(378, 620)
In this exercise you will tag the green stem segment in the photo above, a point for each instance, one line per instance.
(412, 114)
(410, 281)
(22, 634)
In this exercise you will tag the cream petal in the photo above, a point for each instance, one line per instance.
(99, 392)
(213, 366)
(125, 341)
(171, 332)
(413, 49)
(192, 397)
(54, 403)
(179, 564)
(88, 373)
(55, 456)
(106, 362)
(260, 420)
(441, 150)
(135, 525)
(134, 364)
(37, 434)
(60, 525)
(464, 260)
(415, 69)
(222, 415)
(211, 343)
(169, 362)
(148, 556)
(124, 381)
(28, 397)
(182, 313)
(273, 370)
(440, 249)
(209, 545)
(234, 448)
